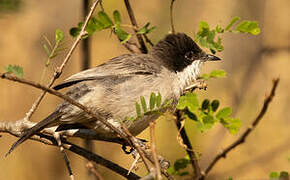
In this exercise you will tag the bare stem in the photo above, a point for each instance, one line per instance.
(171, 16)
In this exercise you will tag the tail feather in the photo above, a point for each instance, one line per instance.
(35, 129)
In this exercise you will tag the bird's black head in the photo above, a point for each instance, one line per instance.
(177, 51)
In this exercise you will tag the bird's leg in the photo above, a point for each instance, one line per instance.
(57, 137)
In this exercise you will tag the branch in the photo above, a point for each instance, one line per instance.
(17, 128)
(243, 137)
(136, 146)
(171, 16)
(189, 149)
(59, 70)
(124, 134)
(143, 47)
(95, 115)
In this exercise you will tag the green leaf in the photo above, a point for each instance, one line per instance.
(94, 25)
(145, 29)
(219, 29)
(191, 115)
(232, 124)
(233, 21)
(205, 104)
(14, 69)
(138, 109)
(230, 178)
(117, 17)
(143, 103)
(248, 27)
(203, 27)
(208, 121)
(214, 74)
(59, 35)
(152, 101)
(284, 175)
(74, 32)
(274, 175)
(205, 76)
(190, 101)
(105, 20)
(171, 170)
(158, 100)
(46, 49)
(224, 112)
(180, 164)
(218, 73)
(121, 34)
(214, 105)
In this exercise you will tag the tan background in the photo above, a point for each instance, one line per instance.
(250, 71)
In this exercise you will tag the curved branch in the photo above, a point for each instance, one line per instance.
(243, 137)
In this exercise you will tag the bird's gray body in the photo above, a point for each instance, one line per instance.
(112, 89)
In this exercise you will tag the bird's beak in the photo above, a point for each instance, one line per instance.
(209, 57)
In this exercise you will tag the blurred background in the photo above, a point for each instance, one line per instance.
(251, 63)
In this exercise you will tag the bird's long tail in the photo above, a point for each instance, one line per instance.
(51, 119)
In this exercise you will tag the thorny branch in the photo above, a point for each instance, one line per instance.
(243, 137)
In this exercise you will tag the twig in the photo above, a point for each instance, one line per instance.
(243, 137)
(136, 146)
(92, 168)
(143, 47)
(189, 149)
(59, 70)
(171, 16)
(153, 149)
(148, 40)
(57, 137)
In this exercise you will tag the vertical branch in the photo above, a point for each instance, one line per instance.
(85, 46)
(143, 47)
(153, 149)
(171, 17)
(85, 64)
(189, 149)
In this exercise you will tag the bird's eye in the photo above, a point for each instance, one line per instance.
(189, 55)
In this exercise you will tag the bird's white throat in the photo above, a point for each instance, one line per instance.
(189, 74)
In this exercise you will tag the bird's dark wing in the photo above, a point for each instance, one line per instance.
(125, 65)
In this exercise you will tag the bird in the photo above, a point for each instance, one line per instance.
(112, 89)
